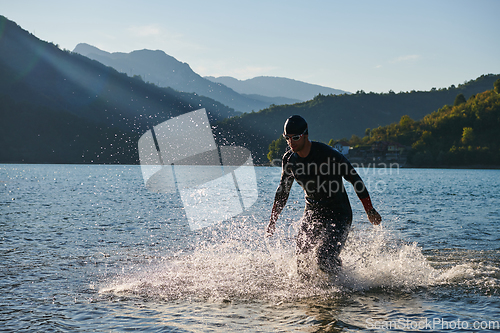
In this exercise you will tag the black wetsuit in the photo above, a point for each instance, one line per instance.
(327, 214)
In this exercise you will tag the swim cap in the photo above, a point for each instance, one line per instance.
(295, 125)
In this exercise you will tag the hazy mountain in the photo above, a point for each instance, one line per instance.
(61, 107)
(276, 86)
(159, 68)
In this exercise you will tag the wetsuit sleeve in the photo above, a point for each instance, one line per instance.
(359, 186)
(353, 177)
(283, 191)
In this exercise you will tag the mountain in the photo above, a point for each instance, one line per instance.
(61, 107)
(163, 70)
(276, 86)
(341, 116)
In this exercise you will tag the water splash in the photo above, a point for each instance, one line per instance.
(373, 258)
(473, 271)
(249, 267)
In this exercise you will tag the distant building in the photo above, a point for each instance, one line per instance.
(394, 150)
(342, 147)
(388, 150)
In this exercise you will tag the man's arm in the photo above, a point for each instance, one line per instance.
(373, 215)
(359, 187)
(280, 199)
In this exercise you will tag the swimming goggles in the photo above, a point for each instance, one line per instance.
(294, 137)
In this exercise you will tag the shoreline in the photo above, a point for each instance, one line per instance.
(377, 165)
(393, 165)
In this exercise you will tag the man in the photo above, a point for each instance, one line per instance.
(319, 170)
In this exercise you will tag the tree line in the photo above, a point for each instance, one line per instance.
(341, 116)
(462, 134)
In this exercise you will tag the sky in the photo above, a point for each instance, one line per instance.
(349, 45)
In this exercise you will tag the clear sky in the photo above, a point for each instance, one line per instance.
(375, 45)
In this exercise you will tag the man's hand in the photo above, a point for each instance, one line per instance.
(374, 217)
(271, 227)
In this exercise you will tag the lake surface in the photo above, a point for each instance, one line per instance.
(88, 248)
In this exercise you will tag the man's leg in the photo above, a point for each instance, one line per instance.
(331, 243)
(308, 238)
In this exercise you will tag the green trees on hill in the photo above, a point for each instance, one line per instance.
(465, 134)
(459, 99)
(341, 116)
(276, 149)
(459, 135)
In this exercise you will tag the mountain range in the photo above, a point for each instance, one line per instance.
(276, 86)
(163, 70)
(61, 107)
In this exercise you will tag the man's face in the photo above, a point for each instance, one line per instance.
(296, 145)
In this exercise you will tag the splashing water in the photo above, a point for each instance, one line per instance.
(374, 259)
(253, 268)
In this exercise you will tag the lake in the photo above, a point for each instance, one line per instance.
(87, 248)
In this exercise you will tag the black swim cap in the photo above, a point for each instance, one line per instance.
(295, 125)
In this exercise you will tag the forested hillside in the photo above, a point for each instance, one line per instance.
(341, 116)
(460, 135)
(61, 107)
